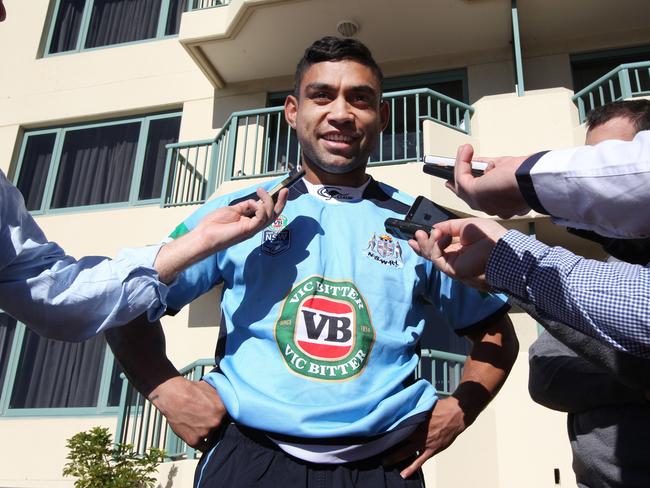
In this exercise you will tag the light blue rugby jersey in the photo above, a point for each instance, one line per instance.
(323, 312)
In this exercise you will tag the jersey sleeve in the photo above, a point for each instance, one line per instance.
(204, 275)
(465, 309)
(201, 276)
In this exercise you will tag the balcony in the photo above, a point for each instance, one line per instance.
(624, 82)
(260, 39)
(257, 143)
(144, 427)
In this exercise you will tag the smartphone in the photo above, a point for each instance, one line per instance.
(291, 178)
(444, 167)
(422, 215)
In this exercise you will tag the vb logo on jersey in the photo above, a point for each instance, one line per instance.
(324, 330)
(276, 238)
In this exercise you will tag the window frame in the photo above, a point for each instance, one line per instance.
(163, 15)
(101, 409)
(60, 133)
(394, 83)
(583, 58)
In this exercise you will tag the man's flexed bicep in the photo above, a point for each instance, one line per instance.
(192, 408)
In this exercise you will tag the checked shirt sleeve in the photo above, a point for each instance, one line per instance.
(608, 301)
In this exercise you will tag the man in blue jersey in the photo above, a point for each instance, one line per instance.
(322, 316)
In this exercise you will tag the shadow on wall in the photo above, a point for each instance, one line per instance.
(173, 471)
(205, 311)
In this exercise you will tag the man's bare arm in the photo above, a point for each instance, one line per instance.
(488, 364)
(193, 409)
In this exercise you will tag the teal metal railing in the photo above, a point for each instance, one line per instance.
(623, 82)
(442, 369)
(188, 182)
(140, 424)
(201, 4)
(254, 143)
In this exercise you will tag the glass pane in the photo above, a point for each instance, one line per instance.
(96, 166)
(587, 71)
(33, 172)
(66, 26)
(161, 132)
(55, 374)
(176, 9)
(7, 329)
(116, 21)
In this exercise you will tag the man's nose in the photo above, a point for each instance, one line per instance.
(341, 111)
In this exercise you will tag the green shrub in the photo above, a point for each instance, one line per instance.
(97, 463)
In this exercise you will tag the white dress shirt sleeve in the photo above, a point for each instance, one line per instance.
(604, 188)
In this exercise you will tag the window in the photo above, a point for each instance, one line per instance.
(118, 162)
(588, 67)
(87, 24)
(44, 376)
(7, 329)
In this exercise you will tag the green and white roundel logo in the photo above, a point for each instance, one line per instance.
(324, 330)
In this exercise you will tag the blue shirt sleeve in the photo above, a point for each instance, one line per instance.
(465, 309)
(60, 297)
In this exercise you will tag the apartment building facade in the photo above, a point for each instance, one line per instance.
(119, 117)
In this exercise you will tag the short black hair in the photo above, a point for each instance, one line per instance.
(637, 111)
(335, 49)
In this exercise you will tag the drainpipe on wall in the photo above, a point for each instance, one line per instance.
(516, 45)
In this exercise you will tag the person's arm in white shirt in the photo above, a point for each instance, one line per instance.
(603, 188)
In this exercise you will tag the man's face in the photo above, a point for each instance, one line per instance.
(338, 115)
(619, 128)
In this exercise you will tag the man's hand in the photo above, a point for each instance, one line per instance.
(218, 230)
(193, 409)
(446, 422)
(496, 192)
(460, 248)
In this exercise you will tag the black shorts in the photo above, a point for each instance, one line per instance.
(245, 458)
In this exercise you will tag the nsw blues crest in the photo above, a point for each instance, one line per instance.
(385, 250)
(276, 238)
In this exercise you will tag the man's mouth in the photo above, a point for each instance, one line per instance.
(345, 138)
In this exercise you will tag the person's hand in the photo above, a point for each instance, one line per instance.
(193, 409)
(496, 192)
(446, 422)
(460, 248)
(230, 225)
(218, 230)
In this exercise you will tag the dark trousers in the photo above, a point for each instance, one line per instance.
(246, 458)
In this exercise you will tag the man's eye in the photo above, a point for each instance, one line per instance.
(364, 99)
(320, 96)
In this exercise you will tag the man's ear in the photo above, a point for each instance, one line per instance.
(291, 110)
(384, 114)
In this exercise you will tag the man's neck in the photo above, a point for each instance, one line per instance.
(317, 176)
